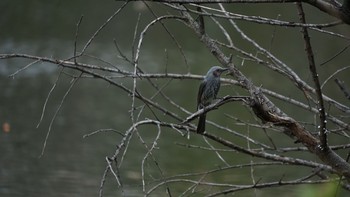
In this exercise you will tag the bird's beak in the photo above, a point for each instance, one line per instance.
(223, 70)
(227, 69)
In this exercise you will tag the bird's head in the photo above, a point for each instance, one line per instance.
(216, 71)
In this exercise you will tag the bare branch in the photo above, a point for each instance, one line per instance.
(333, 9)
(102, 27)
(47, 98)
(74, 80)
(76, 38)
(343, 88)
(213, 106)
(25, 67)
(320, 105)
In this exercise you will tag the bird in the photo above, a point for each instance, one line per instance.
(208, 90)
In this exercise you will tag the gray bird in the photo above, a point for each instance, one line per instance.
(207, 92)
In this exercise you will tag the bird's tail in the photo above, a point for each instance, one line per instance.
(201, 124)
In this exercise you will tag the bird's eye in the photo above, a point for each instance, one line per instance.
(216, 72)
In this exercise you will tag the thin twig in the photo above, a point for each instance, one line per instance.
(25, 67)
(336, 55)
(102, 27)
(343, 88)
(47, 98)
(102, 130)
(73, 82)
(332, 75)
(103, 180)
(216, 152)
(215, 105)
(76, 38)
(320, 105)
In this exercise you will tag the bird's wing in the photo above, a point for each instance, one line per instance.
(216, 89)
(200, 93)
